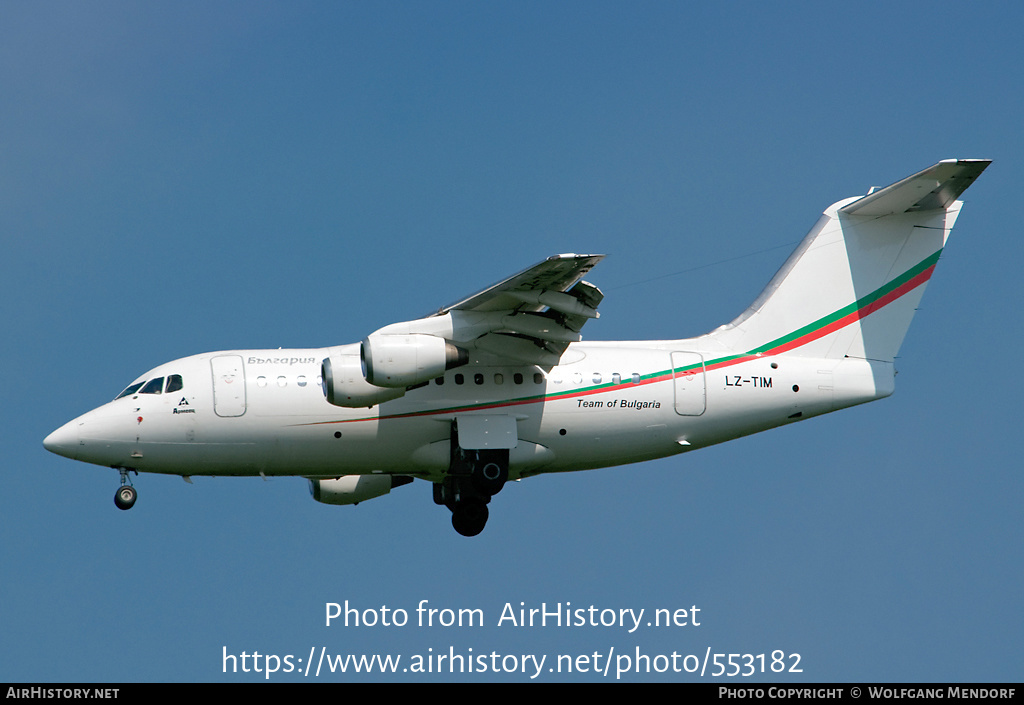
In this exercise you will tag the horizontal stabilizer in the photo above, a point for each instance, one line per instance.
(935, 188)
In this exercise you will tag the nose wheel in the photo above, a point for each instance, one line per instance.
(126, 495)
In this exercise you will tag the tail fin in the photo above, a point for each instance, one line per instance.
(851, 288)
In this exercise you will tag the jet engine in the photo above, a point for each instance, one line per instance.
(353, 489)
(344, 384)
(407, 360)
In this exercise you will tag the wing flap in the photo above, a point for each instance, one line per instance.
(533, 316)
(529, 318)
(558, 273)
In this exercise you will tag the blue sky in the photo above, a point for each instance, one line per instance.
(184, 177)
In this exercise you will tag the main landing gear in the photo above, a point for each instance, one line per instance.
(474, 476)
(126, 495)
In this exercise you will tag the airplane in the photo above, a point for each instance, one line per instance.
(499, 386)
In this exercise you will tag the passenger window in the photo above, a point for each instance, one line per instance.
(517, 377)
(499, 378)
(597, 378)
(439, 381)
(174, 383)
(459, 379)
(538, 378)
(478, 378)
(154, 386)
(636, 378)
(616, 378)
(301, 380)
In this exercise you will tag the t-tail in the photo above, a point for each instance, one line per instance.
(846, 296)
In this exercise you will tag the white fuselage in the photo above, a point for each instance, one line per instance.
(249, 412)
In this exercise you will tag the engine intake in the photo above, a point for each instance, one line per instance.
(344, 384)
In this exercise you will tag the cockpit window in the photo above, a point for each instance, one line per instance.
(153, 386)
(174, 383)
(130, 390)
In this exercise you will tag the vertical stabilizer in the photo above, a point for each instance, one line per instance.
(851, 288)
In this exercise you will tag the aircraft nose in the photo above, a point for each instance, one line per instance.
(63, 441)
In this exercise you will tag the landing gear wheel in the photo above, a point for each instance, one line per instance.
(469, 517)
(490, 478)
(125, 497)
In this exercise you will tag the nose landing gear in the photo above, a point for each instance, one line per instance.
(126, 495)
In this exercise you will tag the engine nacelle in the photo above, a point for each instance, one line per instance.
(353, 489)
(344, 384)
(408, 360)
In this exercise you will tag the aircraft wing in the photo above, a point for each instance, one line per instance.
(558, 273)
(530, 317)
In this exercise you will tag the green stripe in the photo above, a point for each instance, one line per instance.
(804, 331)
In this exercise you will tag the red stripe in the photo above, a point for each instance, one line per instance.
(860, 313)
(836, 325)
